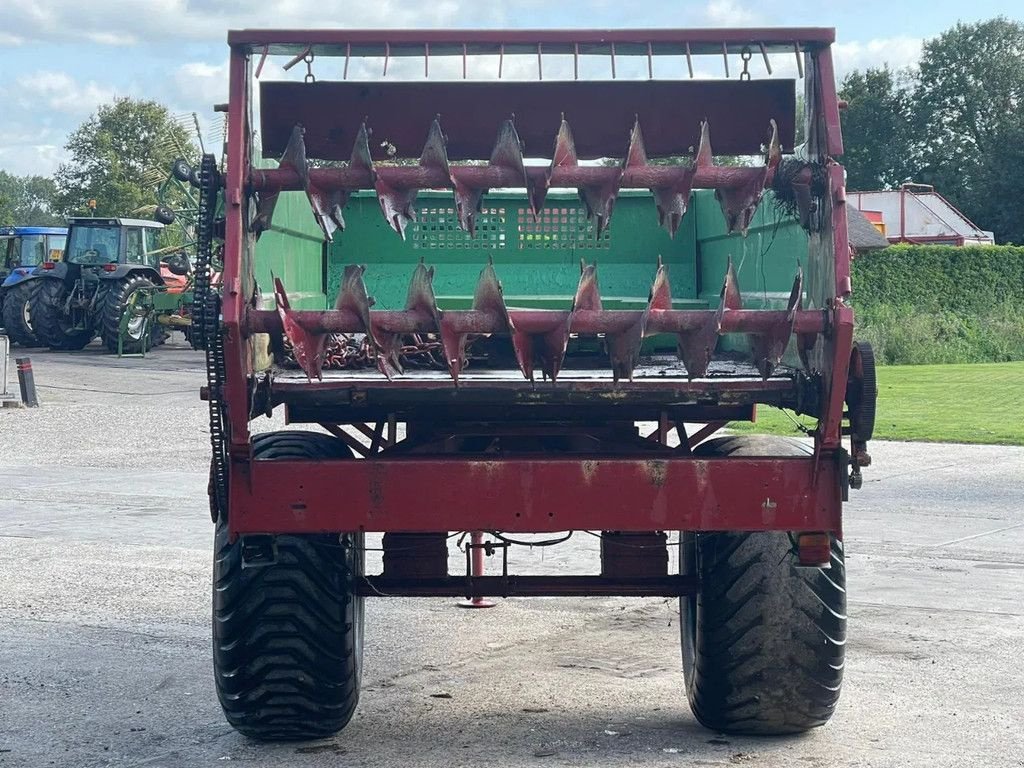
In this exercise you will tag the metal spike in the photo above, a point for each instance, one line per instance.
(435, 151)
(419, 300)
(769, 347)
(564, 156)
(326, 205)
(354, 298)
(488, 299)
(396, 204)
(730, 298)
(507, 153)
(309, 348)
(673, 200)
(636, 153)
(739, 204)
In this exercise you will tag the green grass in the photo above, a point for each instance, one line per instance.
(977, 403)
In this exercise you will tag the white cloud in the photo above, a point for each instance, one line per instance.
(60, 92)
(727, 13)
(897, 52)
(122, 22)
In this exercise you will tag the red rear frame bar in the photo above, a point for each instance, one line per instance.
(537, 494)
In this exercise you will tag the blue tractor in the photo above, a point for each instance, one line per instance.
(22, 250)
(107, 262)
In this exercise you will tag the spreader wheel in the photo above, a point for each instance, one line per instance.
(763, 639)
(288, 633)
(862, 392)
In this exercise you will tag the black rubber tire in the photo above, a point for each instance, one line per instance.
(164, 215)
(181, 170)
(764, 640)
(17, 311)
(48, 322)
(288, 637)
(115, 300)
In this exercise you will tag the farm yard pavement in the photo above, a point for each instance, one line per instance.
(105, 550)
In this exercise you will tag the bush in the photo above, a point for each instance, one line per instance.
(941, 304)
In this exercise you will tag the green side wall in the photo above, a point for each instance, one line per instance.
(537, 263)
(294, 250)
(766, 260)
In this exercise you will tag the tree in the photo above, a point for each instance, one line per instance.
(118, 156)
(878, 129)
(27, 201)
(995, 201)
(969, 99)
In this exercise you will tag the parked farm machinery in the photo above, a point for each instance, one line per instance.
(525, 430)
(22, 249)
(107, 262)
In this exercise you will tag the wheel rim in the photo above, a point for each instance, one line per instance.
(26, 317)
(136, 326)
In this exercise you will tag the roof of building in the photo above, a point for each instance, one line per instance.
(862, 233)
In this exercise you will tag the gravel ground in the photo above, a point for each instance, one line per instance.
(104, 616)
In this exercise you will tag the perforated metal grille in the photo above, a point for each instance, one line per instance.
(437, 227)
(558, 228)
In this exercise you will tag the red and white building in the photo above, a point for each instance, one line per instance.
(916, 213)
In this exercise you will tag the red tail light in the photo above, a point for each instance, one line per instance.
(48, 265)
(110, 267)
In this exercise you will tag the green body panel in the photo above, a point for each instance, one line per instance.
(293, 249)
(538, 263)
(766, 260)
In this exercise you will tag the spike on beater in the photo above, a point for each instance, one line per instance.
(309, 348)
(563, 156)
(396, 204)
(739, 204)
(673, 200)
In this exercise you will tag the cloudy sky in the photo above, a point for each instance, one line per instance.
(59, 59)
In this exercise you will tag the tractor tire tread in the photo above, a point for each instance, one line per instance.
(13, 314)
(115, 301)
(286, 661)
(769, 640)
(45, 309)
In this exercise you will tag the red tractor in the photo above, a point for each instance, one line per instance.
(536, 423)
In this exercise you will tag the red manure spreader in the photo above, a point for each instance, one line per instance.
(556, 226)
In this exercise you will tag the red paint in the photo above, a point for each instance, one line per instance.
(538, 494)
(471, 113)
(489, 41)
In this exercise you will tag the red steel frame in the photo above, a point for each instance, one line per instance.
(530, 493)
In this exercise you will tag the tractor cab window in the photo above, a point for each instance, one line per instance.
(55, 245)
(33, 250)
(93, 245)
(8, 252)
(149, 242)
(134, 249)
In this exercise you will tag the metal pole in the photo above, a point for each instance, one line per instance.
(27, 382)
(476, 539)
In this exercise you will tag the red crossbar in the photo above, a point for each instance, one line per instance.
(539, 494)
